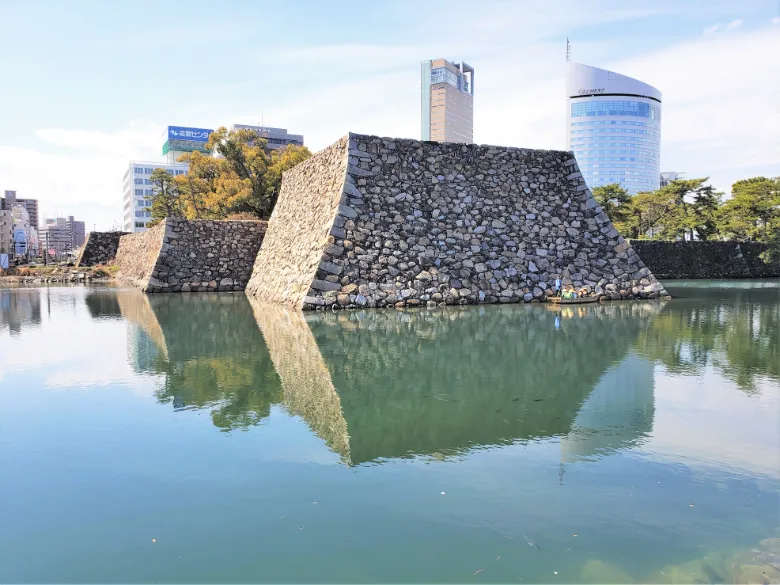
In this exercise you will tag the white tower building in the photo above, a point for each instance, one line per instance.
(613, 125)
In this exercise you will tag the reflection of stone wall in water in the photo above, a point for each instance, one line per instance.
(103, 303)
(375, 221)
(136, 310)
(306, 382)
(416, 383)
(100, 248)
(617, 414)
(191, 255)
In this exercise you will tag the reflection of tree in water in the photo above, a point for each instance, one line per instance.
(735, 330)
(213, 355)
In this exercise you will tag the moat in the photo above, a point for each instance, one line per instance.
(212, 438)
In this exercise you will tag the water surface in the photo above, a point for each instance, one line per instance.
(210, 438)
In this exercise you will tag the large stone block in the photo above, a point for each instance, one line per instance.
(412, 218)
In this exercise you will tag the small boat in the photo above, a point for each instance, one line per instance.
(577, 301)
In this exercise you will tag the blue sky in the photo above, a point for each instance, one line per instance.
(87, 86)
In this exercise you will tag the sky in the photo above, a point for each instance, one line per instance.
(87, 86)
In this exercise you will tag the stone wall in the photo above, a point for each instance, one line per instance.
(191, 255)
(137, 255)
(705, 259)
(300, 227)
(100, 248)
(388, 222)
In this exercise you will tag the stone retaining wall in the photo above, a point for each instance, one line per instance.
(100, 248)
(380, 222)
(705, 259)
(137, 255)
(191, 255)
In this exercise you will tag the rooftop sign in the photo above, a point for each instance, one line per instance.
(190, 134)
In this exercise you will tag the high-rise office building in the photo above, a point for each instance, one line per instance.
(447, 101)
(275, 137)
(613, 125)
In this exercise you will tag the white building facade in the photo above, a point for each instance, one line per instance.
(613, 126)
(137, 190)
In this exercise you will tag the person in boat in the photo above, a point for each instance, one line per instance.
(569, 292)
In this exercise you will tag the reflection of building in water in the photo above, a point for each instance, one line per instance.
(386, 384)
(617, 414)
(19, 308)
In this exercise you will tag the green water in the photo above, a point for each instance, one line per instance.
(207, 438)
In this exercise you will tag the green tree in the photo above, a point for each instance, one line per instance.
(165, 196)
(249, 176)
(683, 208)
(753, 212)
(616, 202)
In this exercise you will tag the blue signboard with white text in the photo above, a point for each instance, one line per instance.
(190, 134)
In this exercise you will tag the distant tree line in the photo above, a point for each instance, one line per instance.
(242, 182)
(691, 209)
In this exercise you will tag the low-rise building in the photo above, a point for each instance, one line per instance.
(6, 232)
(77, 232)
(137, 187)
(669, 176)
(275, 137)
(55, 237)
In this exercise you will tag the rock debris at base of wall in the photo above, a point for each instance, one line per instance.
(377, 222)
(181, 255)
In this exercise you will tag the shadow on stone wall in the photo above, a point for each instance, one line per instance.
(705, 259)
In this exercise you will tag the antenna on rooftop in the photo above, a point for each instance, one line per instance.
(568, 50)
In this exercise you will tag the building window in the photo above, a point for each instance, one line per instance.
(139, 213)
(139, 191)
(139, 181)
(139, 171)
(616, 108)
(140, 224)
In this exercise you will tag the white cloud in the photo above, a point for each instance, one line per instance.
(82, 174)
(720, 106)
(776, 20)
(719, 103)
(734, 24)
